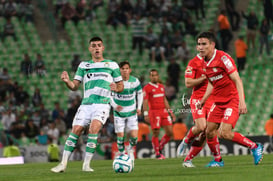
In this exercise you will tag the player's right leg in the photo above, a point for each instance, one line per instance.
(213, 143)
(70, 145)
(119, 124)
(195, 149)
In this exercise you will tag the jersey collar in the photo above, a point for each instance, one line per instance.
(213, 56)
(155, 85)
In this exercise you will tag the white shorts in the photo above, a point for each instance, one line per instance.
(87, 113)
(131, 123)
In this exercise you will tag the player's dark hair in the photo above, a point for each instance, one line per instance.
(153, 70)
(95, 38)
(121, 64)
(271, 116)
(207, 34)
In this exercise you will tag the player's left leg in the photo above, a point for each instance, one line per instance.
(166, 137)
(98, 119)
(226, 132)
(132, 125)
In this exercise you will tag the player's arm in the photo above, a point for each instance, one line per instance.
(167, 106)
(239, 85)
(145, 110)
(115, 105)
(139, 101)
(206, 95)
(72, 85)
(117, 87)
(191, 82)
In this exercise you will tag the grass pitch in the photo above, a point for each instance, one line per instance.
(237, 168)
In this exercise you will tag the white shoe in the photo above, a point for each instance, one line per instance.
(87, 169)
(59, 168)
(181, 148)
(188, 164)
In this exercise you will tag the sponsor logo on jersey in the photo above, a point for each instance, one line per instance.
(87, 65)
(217, 77)
(89, 75)
(124, 96)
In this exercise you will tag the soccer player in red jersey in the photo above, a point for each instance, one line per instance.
(158, 114)
(226, 87)
(195, 78)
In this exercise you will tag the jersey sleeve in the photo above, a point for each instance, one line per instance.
(116, 73)
(79, 73)
(228, 64)
(190, 71)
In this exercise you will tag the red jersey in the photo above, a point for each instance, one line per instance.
(217, 70)
(195, 70)
(155, 94)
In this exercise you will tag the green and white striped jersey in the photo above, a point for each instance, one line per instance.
(127, 98)
(96, 78)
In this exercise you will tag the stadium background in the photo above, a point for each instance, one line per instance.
(57, 47)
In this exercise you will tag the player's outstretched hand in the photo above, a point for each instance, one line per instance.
(65, 76)
(242, 108)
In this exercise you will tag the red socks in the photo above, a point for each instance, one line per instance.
(193, 152)
(215, 148)
(240, 139)
(190, 136)
(165, 139)
(155, 144)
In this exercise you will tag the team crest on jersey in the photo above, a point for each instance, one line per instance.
(106, 64)
(214, 69)
(153, 90)
(162, 89)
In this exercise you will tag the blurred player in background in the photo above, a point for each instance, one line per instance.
(126, 116)
(158, 114)
(97, 76)
(195, 78)
(228, 94)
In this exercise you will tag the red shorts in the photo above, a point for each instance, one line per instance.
(200, 113)
(227, 112)
(159, 118)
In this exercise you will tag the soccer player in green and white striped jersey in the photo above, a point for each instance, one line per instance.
(127, 116)
(99, 77)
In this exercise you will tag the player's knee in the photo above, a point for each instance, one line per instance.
(225, 135)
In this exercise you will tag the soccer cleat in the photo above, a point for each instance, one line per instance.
(181, 148)
(87, 169)
(59, 168)
(214, 163)
(188, 164)
(258, 153)
(160, 157)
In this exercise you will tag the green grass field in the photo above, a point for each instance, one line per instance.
(236, 168)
